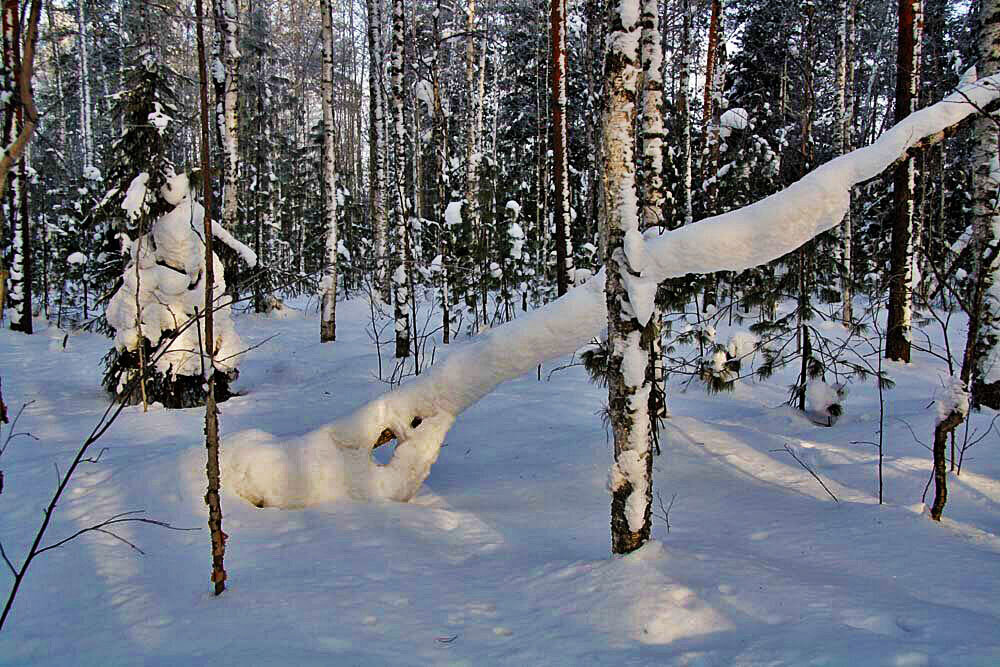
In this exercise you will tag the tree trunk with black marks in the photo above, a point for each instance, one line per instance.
(898, 327)
(628, 388)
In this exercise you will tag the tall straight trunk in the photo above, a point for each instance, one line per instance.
(592, 58)
(897, 343)
(628, 389)
(560, 165)
(714, 38)
(227, 25)
(328, 285)
(20, 274)
(651, 193)
(981, 361)
(441, 181)
(211, 410)
(86, 128)
(806, 156)
(844, 130)
(401, 257)
(714, 73)
(684, 109)
(376, 143)
(472, 215)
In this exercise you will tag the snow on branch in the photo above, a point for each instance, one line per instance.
(336, 461)
(241, 249)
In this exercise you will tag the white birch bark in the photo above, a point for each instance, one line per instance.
(981, 365)
(628, 387)
(560, 149)
(227, 25)
(401, 279)
(328, 284)
(844, 138)
(376, 141)
(86, 128)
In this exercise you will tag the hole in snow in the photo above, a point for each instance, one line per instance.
(382, 455)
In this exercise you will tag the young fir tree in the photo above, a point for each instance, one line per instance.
(142, 214)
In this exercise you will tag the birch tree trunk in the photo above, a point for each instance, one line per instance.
(651, 193)
(441, 167)
(19, 119)
(21, 267)
(328, 285)
(472, 153)
(86, 129)
(560, 165)
(898, 333)
(981, 362)
(684, 109)
(714, 72)
(227, 25)
(628, 390)
(401, 274)
(376, 143)
(844, 138)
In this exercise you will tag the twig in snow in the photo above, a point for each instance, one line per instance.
(808, 469)
(665, 516)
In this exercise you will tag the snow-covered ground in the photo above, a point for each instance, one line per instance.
(503, 557)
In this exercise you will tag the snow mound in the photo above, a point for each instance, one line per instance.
(331, 463)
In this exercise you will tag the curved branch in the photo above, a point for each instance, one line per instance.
(419, 414)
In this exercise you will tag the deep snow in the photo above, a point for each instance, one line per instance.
(503, 556)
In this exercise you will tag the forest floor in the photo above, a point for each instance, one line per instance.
(503, 557)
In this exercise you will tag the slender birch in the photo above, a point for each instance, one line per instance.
(401, 258)
(628, 389)
(843, 131)
(228, 69)
(376, 143)
(560, 166)
(328, 285)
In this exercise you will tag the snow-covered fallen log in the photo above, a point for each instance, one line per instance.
(335, 461)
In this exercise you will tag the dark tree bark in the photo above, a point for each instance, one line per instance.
(211, 410)
(897, 344)
(941, 432)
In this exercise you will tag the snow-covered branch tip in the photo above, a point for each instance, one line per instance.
(336, 461)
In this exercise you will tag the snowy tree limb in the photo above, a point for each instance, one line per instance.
(419, 414)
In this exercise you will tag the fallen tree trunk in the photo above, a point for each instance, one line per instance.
(336, 461)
